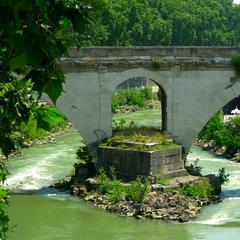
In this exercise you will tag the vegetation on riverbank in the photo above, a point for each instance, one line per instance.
(220, 137)
(34, 34)
(44, 123)
(133, 99)
(44, 119)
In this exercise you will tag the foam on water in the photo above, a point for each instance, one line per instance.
(228, 210)
(39, 173)
(216, 219)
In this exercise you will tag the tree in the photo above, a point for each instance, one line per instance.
(33, 35)
(166, 22)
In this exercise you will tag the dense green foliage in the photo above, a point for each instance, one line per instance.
(42, 120)
(4, 220)
(200, 189)
(48, 117)
(223, 134)
(166, 22)
(132, 97)
(236, 63)
(83, 156)
(117, 191)
(33, 34)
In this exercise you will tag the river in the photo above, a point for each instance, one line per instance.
(40, 213)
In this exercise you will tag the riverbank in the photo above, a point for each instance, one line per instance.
(152, 104)
(48, 139)
(209, 145)
(221, 138)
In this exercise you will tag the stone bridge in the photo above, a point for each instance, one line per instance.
(197, 82)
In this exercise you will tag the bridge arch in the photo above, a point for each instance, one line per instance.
(212, 100)
(138, 82)
(160, 78)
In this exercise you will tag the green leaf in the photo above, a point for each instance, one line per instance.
(53, 89)
(18, 61)
(7, 146)
(41, 121)
(42, 3)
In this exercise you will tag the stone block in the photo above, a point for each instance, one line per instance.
(129, 164)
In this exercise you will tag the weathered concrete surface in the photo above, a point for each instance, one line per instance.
(198, 81)
(129, 164)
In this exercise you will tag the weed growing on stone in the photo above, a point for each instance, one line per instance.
(157, 63)
(142, 136)
(142, 147)
(137, 190)
(163, 181)
(117, 191)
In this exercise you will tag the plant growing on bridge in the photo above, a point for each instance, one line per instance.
(157, 63)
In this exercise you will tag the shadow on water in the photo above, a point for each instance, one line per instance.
(231, 193)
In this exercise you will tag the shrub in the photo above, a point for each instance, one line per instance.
(212, 129)
(194, 169)
(236, 63)
(117, 191)
(132, 96)
(85, 159)
(227, 134)
(223, 177)
(107, 185)
(200, 189)
(137, 190)
(43, 119)
(119, 124)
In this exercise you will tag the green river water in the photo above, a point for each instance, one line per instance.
(40, 213)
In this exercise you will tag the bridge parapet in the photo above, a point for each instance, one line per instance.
(146, 56)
